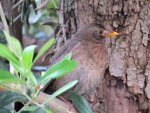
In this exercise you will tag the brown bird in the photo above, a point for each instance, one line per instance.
(89, 49)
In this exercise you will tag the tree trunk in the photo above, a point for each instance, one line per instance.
(16, 28)
(126, 86)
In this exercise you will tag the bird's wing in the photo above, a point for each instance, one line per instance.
(68, 47)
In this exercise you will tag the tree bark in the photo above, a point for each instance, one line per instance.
(16, 28)
(126, 86)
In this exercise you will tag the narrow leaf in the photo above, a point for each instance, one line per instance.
(32, 78)
(4, 110)
(27, 57)
(59, 69)
(14, 45)
(67, 57)
(62, 90)
(45, 47)
(47, 111)
(19, 68)
(42, 5)
(8, 97)
(30, 108)
(6, 53)
(80, 103)
(7, 77)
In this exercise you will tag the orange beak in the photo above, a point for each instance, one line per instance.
(113, 33)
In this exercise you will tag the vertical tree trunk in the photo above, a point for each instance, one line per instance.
(126, 86)
(16, 28)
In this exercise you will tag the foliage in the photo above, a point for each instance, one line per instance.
(23, 80)
(36, 14)
(80, 103)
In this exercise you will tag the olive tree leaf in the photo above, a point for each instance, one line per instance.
(27, 57)
(80, 103)
(45, 47)
(14, 45)
(8, 97)
(7, 77)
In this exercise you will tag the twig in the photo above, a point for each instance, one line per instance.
(6, 28)
(3, 18)
(25, 106)
(16, 18)
(18, 3)
(55, 105)
(61, 15)
(42, 5)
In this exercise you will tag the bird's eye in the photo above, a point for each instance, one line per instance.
(100, 32)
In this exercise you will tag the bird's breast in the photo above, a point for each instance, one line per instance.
(90, 55)
(92, 62)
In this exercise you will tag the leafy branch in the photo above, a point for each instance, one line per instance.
(24, 80)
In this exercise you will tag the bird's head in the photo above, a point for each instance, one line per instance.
(96, 32)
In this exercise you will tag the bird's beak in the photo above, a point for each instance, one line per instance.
(113, 33)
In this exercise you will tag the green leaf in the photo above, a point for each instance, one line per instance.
(59, 69)
(67, 57)
(42, 5)
(8, 97)
(32, 78)
(45, 47)
(19, 68)
(30, 108)
(7, 77)
(4, 110)
(14, 45)
(47, 111)
(80, 103)
(6, 53)
(62, 90)
(27, 57)
(36, 109)
(53, 4)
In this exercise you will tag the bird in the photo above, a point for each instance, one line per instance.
(88, 47)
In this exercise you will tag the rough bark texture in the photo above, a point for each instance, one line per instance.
(126, 86)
